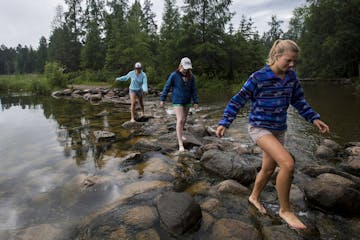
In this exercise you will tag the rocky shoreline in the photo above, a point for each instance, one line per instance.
(202, 193)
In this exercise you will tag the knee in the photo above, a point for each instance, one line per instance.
(267, 172)
(288, 165)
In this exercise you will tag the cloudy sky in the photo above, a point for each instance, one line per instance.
(24, 21)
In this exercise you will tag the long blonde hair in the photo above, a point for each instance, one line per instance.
(279, 47)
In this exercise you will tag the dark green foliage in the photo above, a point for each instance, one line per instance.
(54, 73)
(97, 40)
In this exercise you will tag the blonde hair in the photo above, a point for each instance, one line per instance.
(279, 47)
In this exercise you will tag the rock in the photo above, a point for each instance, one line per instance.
(297, 197)
(281, 232)
(132, 125)
(228, 229)
(169, 141)
(231, 186)
(198, 188)
(324, 152)
(210, 205)
(40, 232)
(130, 160)
(144, 145)
(355, 150)
(149, 234)
(178, 212)
(229, 165)
(331, 144)
(144, 186)
(352, 165)
(315, 170)
(334, 193)
(140, 217)
(103, 135)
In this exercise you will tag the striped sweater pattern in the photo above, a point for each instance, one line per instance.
(270, 97)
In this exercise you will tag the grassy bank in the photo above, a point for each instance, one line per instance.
(34, 83)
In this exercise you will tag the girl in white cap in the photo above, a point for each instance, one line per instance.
(137, 87)
(182, 83)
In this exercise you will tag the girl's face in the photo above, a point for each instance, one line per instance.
(286, 61)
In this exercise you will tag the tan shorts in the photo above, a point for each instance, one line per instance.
(256, 133)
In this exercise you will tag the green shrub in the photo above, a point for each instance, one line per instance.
(40, 87)
(55, 75)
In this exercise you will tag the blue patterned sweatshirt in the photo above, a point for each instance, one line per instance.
(182, 91)
(270, 97)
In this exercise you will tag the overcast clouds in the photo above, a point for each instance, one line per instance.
(25, 21)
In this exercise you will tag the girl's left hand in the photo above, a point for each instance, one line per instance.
(321, 126)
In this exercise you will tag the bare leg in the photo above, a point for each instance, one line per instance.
(186, 112)
(267, 169)
(132, 108)
(180, 119)
(282, 157)
(141, 102)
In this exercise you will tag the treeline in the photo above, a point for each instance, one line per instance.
(99, 39)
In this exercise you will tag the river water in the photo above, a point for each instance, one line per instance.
(44, 143)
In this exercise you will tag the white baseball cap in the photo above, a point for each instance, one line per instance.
(186, 63)
(137, 65)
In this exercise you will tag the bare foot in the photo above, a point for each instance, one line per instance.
(181, 149)
(257, 205)
(132, 120)
(291, 219)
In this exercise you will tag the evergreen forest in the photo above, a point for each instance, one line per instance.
(96, 40)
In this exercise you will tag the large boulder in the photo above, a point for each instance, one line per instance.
(334, 193)
(178, 212)
(230, 165)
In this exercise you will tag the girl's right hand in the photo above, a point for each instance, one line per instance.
(220, 131)
(162, 104)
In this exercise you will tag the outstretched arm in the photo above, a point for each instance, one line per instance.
(123, 78)
(145, 84)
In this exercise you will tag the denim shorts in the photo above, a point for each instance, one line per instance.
(138, 93)
(256, 133)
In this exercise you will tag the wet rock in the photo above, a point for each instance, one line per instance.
(229, 165)
(198, 188)
(169, 141)
(331, 144)
(132, 125)
(334, 193)
(149, 234)
(351, 165)
(144, 145)
(280, 232)
(207, 221)
(316, 170)
(119, 234)
(40, 232)
(297, 197)
(324, 152)
(178, 212)
(130, 160)
(227, 229)
(210, 205)
(103, 135)
(144, 186)
(231, 186)
(355, 150)
(141, 217)
(198, 130)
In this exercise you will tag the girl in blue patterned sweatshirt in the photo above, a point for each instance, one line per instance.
(271, 90)
(182, 83)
